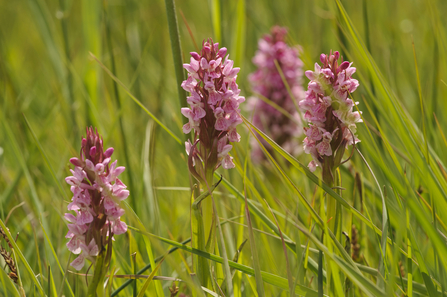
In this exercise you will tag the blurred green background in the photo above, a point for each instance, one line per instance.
(48, 78)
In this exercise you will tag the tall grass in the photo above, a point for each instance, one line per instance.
(394, 188)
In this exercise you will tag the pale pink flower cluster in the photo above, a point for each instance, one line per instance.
(267, 82)
(97, 193)
(214, 102)
(328, 109)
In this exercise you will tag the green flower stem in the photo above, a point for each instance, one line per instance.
(199, 235)
(95, 287)
(207, 205)
(198, 242)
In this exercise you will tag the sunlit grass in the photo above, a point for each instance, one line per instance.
(57, 77)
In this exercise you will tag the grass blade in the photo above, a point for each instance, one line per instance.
(176, 52)
(148, 266)
(270, 278)
(149, 279)
(254, 251)
(45, 157)
(22, 258)
(215, 7)
(289, 272)
(136, 100)
(239, 37)
(56, 258)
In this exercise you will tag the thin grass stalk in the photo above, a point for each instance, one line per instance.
(176, 48)
(39, 262)
(254, 251)
(331, 209)
(424, 128)
(240, 34)
(439, 269)
(221, 245)
(270, 278)
(138, 102)
(56, 258)
(320, 271)
(22, 258)
(145, 268)
(338, 222)
(409, 262)
(118, 103)
(237, 278)
(2, 279)
(289, 272)
(435, 79)
(69, 80)
(110, 282)
(49, 281)
(207, 210)
(134, 262)
(64, 279)
(216, 15)
(149, 279)
(147, 244)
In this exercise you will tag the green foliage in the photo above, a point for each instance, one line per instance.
(66, 65)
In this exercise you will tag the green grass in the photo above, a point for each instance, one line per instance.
(66, 65)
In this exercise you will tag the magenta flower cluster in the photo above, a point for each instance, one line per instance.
(214, 104)
(97, 193)
(267, 82)
(329, 110)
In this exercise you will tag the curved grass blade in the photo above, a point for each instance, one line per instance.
(19, 277)
(313, 178)
(148, 266)
(51, 284)
(116, 95)
(45, 157)
(385, 223)
(286, 84)
(136, 100)
(110, 281)
(424, 128)
(222, 248)
(56, 258)
(23, 165)
(22, 258)
(431, 290)
(9, 191)
(149, 279)
(176, 48)
(11, 286)
(254, 251)
(270, 278)
(289, 272)
(395, 115)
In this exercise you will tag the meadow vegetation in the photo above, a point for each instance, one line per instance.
(379, 230)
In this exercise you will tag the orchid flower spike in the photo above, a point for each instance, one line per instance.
(267, 82)
(95, 206)
(213, 110)
(329, 111)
